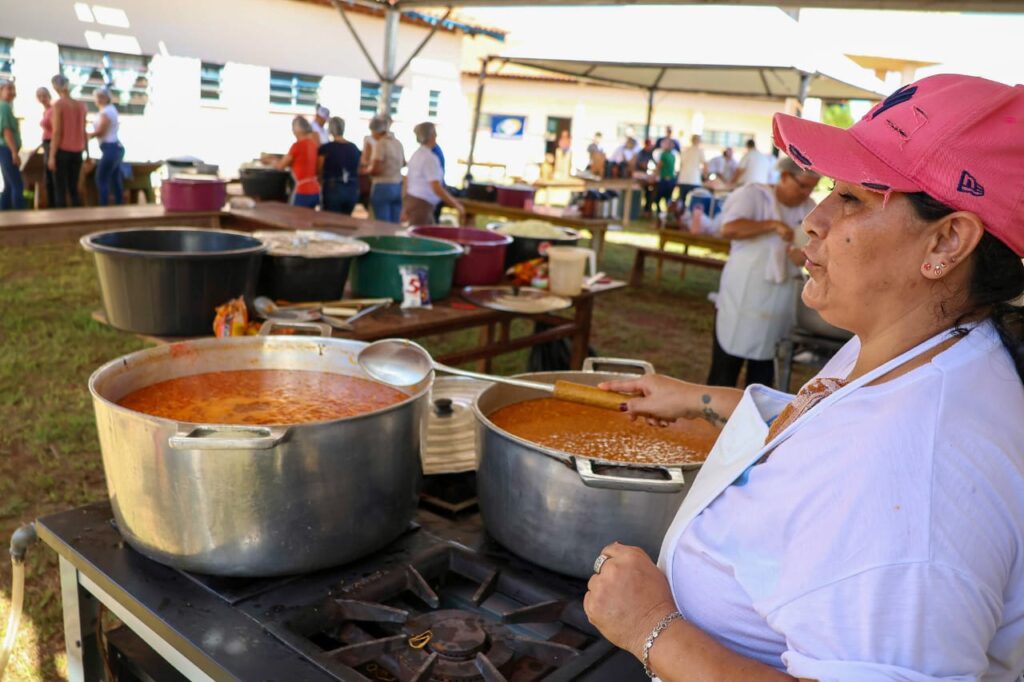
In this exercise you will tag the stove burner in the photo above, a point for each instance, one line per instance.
(446, 616)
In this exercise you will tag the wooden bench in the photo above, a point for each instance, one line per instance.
(642, 253)
(687, 239)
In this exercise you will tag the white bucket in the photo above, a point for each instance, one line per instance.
(566, 267)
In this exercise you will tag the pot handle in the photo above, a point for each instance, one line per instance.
(675, 483)
(270, 325)
(227, 437)
(615, 364)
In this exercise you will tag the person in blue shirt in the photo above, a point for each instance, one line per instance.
(440, 157)
(338, 166)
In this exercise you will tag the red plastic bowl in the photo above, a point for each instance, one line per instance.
(193, 194)
(484, 260)
(516, 196)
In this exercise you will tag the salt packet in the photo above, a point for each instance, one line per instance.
(415, 286)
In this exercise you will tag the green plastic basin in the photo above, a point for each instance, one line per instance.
(376, 274)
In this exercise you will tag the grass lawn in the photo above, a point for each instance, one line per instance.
(49, 456)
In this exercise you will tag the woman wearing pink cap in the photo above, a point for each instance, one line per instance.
(872, 526)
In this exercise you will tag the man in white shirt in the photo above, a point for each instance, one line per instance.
(723, 167)
(754, 167)
(692, 168)
(318, 123)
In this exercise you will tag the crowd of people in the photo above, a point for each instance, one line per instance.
(331, 172)
(675, 171)
(65, 138)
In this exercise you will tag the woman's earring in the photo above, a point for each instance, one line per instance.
(939, 268)
(927, 266)
(952, 259)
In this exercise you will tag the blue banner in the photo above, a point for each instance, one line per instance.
(507, 127)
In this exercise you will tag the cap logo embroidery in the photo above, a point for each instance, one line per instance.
(970, 185)
(799, 157)
(899, 97)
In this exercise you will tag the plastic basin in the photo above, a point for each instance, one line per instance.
(483, 262)
(376, 274)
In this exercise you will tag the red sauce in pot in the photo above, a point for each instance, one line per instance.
(593, 432)
(262, 396)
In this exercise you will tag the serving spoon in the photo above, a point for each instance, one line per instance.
(401, 362)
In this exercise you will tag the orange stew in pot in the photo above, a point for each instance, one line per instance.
(594, 432)
(262, 396)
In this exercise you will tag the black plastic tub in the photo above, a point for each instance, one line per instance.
(265, 184)
(306, 265)
(168, 281)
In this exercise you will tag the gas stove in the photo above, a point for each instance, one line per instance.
(442, 603)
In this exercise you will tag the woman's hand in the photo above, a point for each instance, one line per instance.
(784, 231)
(51, 163)
(627, 598)
(660, 400)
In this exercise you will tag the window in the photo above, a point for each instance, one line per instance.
(725, 138)
(209, 81)
(433, 103)
(6, 60)
(369, 97)
(125, 75)
(294, 89)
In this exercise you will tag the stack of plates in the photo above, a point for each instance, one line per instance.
(448, 443)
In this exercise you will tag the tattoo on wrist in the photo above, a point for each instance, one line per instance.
(710, 414)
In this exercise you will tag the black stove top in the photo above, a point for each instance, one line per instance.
(442, 603)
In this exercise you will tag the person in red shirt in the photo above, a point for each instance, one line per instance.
(302, 158)
(69, 142)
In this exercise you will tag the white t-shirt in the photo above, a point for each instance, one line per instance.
(424, 168)
(624, 154)
(722, 167)
(884, 540)
(110, 113)
(690, 161)
(320, 131)
(757, 167)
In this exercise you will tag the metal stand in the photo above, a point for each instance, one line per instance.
(821, 347)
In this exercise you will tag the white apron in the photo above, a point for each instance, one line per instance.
(741, 444)
(755, 312)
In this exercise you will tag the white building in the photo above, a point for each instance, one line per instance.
(221, 79)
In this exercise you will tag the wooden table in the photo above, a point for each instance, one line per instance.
(596, 227)
(454, 314)
(19, 228)
(575, 183)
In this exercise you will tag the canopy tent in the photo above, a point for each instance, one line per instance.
(919, 5)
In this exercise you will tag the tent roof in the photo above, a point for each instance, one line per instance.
(755, 80)
(921, 5)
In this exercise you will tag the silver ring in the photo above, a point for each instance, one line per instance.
(599, 562)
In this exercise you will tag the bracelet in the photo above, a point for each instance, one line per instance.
(658, 629)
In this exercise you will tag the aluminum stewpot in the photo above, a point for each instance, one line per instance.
(256, 500)
(559, 510)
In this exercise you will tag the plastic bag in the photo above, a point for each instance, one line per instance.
(415, 286)
(232, 319)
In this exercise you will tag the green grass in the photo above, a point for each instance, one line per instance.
(49, 456)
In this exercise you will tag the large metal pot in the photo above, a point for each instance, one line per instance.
(559, 510)
(255, 500)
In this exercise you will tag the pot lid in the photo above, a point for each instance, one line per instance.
(536, 229)
(196, 178)
(310, 244)
(448, 442)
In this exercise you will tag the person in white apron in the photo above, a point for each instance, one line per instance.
(755, 302)
(870, 528)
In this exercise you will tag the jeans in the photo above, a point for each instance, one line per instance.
(725, 368)
(69, 168)
(340, 197)
(13, 195)
(386, 200)
(48, 175)
(684, 190)
(109, 179)
(305, 200)
(663, 190)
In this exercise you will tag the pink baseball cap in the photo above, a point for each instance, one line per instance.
(958, 138)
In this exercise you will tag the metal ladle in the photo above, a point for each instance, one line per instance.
(401, 362)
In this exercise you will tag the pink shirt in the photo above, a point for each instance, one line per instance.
(46, 124)
(72, 125)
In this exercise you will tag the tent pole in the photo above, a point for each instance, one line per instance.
(475, 125)
(650, 113)
(387, 83)
(805, 86)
